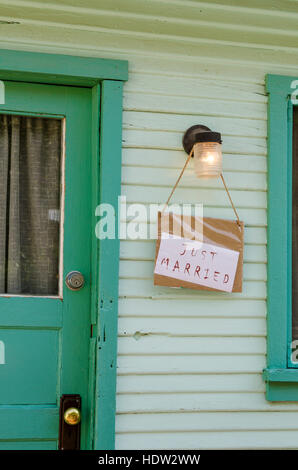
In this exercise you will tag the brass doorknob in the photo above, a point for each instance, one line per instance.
(72, 416)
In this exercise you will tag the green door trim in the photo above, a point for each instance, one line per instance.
(110, 189)
(59, 68)
(105, 77)
(280, 375)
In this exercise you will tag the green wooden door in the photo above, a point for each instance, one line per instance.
(45, 338)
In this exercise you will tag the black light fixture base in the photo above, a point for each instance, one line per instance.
(189, 138)
(199, 133)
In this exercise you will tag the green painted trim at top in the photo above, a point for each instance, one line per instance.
(59, 68)
(281, 385)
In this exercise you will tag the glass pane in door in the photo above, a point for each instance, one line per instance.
(30, 194)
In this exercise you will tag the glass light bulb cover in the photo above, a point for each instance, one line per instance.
(207, 159)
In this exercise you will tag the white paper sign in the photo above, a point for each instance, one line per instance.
(196, 262)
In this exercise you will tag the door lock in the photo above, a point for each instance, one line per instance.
(70, 422)
(72, 416)
(75, 280)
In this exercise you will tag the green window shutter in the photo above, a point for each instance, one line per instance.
(281, 377)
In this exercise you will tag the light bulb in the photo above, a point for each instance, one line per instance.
(207, 159)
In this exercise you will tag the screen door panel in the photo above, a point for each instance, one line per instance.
(30, 181)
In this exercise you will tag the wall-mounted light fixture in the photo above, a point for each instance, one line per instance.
(204, 145)
(207, 154)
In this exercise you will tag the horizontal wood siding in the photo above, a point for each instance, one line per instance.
(190, 363)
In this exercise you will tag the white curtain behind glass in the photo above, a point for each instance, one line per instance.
(30, 150)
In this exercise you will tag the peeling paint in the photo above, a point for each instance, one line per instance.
(138, 335)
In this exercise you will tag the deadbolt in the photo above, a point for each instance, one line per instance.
(75, 280)
(72, 416)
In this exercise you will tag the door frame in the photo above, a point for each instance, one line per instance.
(106, 78)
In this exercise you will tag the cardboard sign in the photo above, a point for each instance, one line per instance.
(207, 258)
(197, 262)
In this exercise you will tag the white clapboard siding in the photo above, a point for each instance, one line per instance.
(190, 363)
(145, 288)
(229, 91)
(144, 269)
(183, 422)
(244, 180)
(205, 326)
(158, 343)
(192, 308)
(199, 401)
(195, 106)
(193, 364)
(168, 159)
(215, 198)
(244, 440)
(179, 122)
(253, 217)
(156, 139)
(190, 383)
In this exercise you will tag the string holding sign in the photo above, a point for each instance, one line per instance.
(179, 178)
(199, 253)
